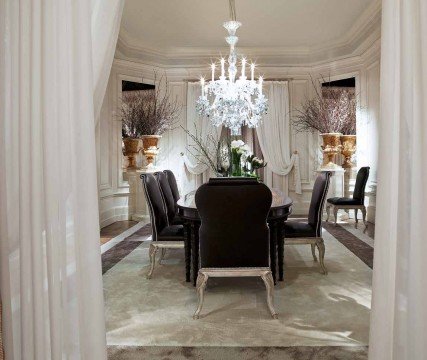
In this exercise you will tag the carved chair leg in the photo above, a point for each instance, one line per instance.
(313, 251)
(162, 255)
(355, 218)
(202, 280)
(328, 210)
(335, 215)
(152, 253)
(364, 217)
(269, 284)
(321, 246)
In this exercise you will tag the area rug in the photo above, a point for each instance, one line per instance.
(237, 353)
(314, 309)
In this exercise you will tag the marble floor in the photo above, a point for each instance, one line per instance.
(109, 232)
(327, 313)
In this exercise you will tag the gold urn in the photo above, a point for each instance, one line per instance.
(150, 148)
(348, 149)
(330, 148)
(130, 150)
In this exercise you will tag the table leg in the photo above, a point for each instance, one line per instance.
(280, 248)
(195, 251)
(273, 249)
(187, 248)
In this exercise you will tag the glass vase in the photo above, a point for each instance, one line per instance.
(236, 166)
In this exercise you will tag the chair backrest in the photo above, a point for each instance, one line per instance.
(359, 187)
(166, 195)
(155, 203)
(234, 231)
(173, 184)
(318, 197)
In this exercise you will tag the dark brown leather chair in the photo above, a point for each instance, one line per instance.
(164, 236)
(173, 184)
(356, 202)
(168, 198)
(310, 232)
(234, 235)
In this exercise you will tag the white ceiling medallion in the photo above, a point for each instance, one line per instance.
(232, 101)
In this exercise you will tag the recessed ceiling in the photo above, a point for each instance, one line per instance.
(169, 27)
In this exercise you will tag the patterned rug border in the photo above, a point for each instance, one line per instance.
(119, 251)
(237, 353)
(358, 247)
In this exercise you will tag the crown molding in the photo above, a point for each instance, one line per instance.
(348, 64)
(365, 31)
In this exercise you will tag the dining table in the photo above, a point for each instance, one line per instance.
(281, 208)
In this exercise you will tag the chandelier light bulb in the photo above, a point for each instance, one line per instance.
(222, 67)
(243, 68)
(213, 71)
(252, 72)
(202, 84)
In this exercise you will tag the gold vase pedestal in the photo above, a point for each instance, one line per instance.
(348, 149)
(130, 150)
(150, 148)
(330, 148)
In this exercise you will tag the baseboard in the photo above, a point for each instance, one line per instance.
(113, 219)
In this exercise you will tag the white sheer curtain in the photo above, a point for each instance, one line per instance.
(274, 138)
(399, 311)
(51, 283)
(198, 173)
(106, 17)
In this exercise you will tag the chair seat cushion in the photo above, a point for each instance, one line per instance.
(294, 229)
(171, 233)
(344, 201)
(177, 220)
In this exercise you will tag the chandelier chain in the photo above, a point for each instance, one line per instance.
(232, 6)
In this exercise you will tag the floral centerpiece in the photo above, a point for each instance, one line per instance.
(223, 157)
(253, 164)
(239, 151)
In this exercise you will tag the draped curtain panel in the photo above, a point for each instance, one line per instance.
(399, 312)
(198, 173)
(106, 18)
(51, 283)
(274, 138)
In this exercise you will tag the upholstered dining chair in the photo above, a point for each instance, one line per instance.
(173, 184)
(356, 202)
(164, 236)
(170, 204)
(234, 235)
(168, 198)
(310, 232)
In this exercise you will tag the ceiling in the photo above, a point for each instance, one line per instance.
(177, 27)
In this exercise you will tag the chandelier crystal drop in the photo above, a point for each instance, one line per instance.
(234, 101)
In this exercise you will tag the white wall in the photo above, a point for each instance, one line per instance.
(114, 191)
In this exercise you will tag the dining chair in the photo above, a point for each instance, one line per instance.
(310, 232)
(234, 235)
(356, 202)
(164, 236)
(173, 184)
(168, 198)
(170, 204)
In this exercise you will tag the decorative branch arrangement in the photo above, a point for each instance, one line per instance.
(223, 156)
(331, 111)
(149, 112)
(206, 150)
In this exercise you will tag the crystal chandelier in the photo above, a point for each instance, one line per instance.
(232, 102)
